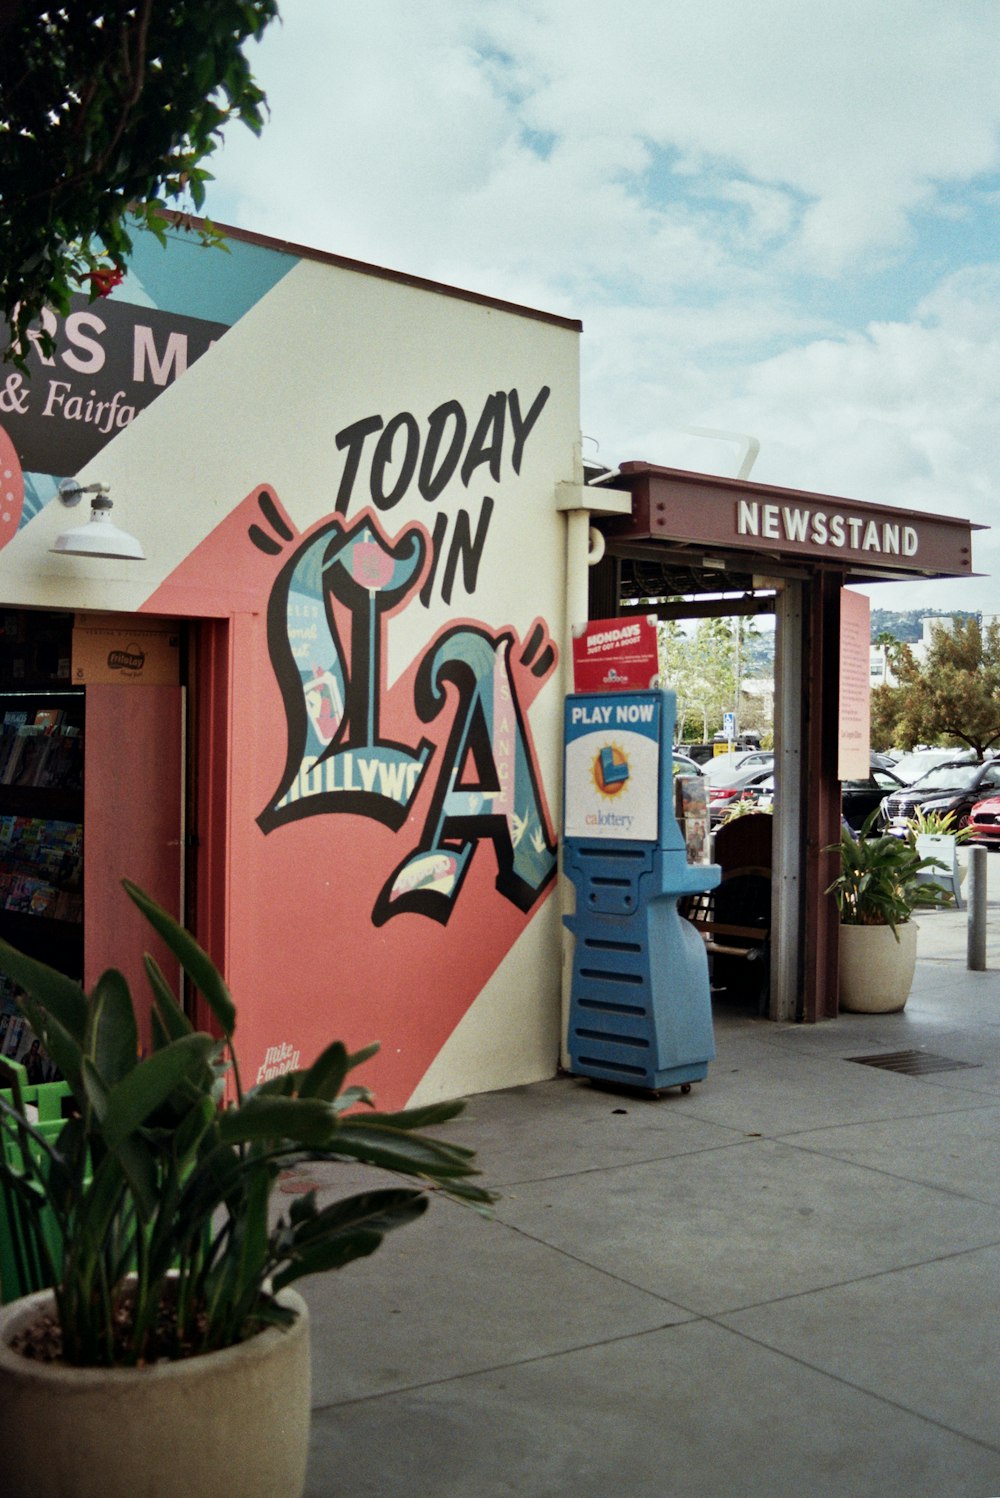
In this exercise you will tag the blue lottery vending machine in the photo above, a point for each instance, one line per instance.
(640, 1003)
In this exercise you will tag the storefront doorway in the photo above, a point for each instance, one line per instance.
(709, 544)
(92, 772)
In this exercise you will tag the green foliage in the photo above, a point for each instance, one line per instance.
(880, 881)
(742, 808)
(885, 706)
(937, 824)
(155, 1185)
(952, 697)
(701, 668)
(108, 110)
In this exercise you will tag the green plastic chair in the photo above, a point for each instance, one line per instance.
(21, 1269)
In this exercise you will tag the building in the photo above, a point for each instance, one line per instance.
(321, 719)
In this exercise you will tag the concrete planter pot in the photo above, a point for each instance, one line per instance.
(235, 1421)
(876, 971)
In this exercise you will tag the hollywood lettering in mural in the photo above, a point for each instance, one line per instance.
(329, 613)
(111, 360)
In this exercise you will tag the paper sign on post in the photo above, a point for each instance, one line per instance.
(854, 717)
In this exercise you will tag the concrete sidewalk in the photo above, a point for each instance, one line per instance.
(783, 1283)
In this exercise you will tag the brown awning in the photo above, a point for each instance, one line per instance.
(737, 516)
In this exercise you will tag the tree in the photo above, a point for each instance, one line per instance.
(954, 695)
(891, 650)
(108, 110)
(701, 669)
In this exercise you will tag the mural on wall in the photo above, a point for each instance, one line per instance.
(115, 355)
(327, 620)
(328, 614)
(381, 708)
(11, 489)
(407, 914)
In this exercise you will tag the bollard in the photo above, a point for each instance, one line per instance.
(976, 946)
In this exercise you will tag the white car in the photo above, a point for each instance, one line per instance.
(724, 766)
(725, 791)
(913, 766)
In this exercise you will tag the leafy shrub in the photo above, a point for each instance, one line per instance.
(160, 1195)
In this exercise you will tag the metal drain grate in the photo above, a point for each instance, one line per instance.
(912, 1063)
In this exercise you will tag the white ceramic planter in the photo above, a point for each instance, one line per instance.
(876, 971)
(235, 1421)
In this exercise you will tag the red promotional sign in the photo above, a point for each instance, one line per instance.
(615, 655)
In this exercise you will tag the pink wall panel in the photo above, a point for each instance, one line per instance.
(321, 943)
(133, 820)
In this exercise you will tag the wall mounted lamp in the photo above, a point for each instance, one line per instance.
(99, 537)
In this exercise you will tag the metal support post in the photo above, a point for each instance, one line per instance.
(976, 947)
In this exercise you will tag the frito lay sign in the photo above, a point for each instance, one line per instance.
(120, 648)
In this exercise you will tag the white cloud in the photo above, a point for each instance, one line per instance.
(709, 186)
(417, 128)
(903, 414)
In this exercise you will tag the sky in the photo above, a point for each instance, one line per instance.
(778, 220)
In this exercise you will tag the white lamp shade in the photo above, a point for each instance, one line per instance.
(100, 537)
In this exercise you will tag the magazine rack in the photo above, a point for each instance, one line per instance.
(41, 847)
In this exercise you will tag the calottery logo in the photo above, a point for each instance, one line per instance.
(328, 617)
(610, 771)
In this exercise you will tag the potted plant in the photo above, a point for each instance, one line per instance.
(937, 836)
(882, 880)
(171, 1341)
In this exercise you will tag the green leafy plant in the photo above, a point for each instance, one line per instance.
(747, 808)
(936, 824)
(108, 111)
(880, 881)
(160, 1195)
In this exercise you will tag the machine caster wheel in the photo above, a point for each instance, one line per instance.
(685, 1087)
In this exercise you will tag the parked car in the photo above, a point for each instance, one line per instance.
(760, 790)
(954, 787)
(911, 767)
(984, 823)
(700, 753)
(858, 797)
(685, 765)
(723, 792)
(722, 766)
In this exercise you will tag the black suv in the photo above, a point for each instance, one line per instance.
(953, 787)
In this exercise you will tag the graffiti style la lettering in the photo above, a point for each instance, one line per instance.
(487, 786)
(337, 758)
(344, 583)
